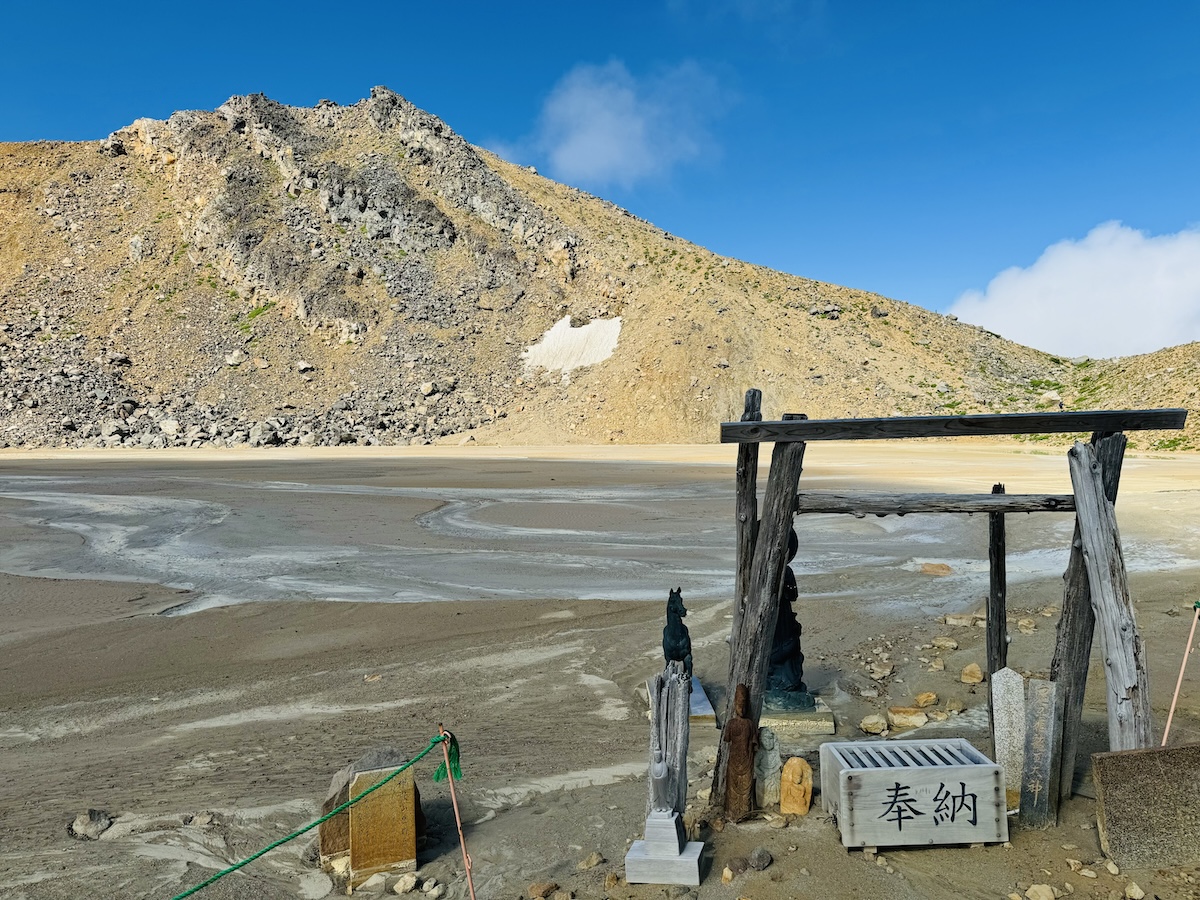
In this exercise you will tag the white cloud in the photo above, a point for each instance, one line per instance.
(1117, 292)
(601, 126)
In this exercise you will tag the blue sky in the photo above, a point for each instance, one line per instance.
(1031, 167)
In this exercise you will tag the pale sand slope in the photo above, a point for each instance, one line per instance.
(248, 710)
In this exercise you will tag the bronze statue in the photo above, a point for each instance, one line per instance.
(785, 688)
(677, 643)
(742, 737)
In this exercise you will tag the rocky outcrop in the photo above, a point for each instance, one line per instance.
(266, 275)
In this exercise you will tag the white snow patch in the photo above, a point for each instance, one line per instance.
(566, 348)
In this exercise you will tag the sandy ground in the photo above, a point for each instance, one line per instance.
(245, 710)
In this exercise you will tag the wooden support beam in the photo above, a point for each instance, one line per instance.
(997, 606)
(1130, 722)
(750, 652)
(954, 426)
(747, 509)
(1077, 623)
(880, 504)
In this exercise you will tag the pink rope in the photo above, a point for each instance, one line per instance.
(1187, 651)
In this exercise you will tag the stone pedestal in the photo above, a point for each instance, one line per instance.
(665, 856)
(790, 725)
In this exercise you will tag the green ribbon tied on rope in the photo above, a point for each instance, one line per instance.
(452, 752)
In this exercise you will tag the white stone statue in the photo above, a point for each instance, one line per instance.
(768, 768)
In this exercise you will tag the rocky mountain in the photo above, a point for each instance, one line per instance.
(270, 275)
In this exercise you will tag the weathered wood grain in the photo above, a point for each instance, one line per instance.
(1130, 721)
(747, 508)
(1077, 623)
(870, 503)
(954, 426)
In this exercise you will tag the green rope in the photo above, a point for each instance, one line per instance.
(433, 742)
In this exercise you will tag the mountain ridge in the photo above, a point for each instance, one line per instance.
(263, 274)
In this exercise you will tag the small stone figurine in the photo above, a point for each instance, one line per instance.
(768, 767)
(742, 737)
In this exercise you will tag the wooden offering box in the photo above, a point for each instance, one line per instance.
(906, 793)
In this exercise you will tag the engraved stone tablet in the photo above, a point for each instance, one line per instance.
(383, 831)
(1043, 746)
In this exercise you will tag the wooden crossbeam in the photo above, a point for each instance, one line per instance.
(1107, 421)
(880, 504)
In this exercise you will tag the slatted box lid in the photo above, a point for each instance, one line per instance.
(905, 793)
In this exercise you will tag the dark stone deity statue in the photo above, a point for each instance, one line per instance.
(785, 688)
(677, 643)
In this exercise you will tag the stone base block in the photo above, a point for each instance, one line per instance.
(664, 834)
(790, 725)
(643, 867)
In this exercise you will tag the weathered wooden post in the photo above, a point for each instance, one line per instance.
(747, 509)
(1077, 623)
(1130, 721)
(750, 647)
(997, 608)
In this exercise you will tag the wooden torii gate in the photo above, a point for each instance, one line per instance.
(1096, 590)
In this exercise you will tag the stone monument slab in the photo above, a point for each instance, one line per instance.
(1008, 731)
(1148, 806)
(383, 830)
(1043, 755)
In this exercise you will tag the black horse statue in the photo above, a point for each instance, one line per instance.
(677, 643)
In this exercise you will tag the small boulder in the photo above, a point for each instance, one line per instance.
(593, 859)
(924, 699)
(971, 674)
(760, 858)
(90, 825)
(406, 883)
(539, 890)
(906, 717)
(873, 724)
(373, 885)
